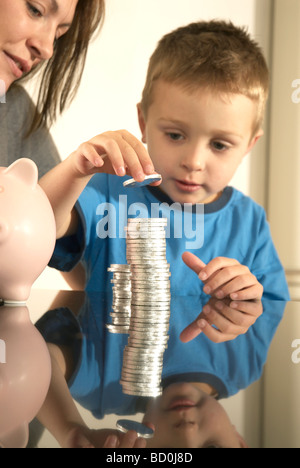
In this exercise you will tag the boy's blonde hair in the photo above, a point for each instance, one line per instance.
(216, 55)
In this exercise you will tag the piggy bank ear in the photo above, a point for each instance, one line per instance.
(24, 170)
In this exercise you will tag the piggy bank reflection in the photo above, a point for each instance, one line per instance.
(25, 372)
(27, 230)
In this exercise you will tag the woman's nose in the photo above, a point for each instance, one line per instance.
(41, 45)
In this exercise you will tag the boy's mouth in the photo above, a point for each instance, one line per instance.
(181, 405)
(187, 186)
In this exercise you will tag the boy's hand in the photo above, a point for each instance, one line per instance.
(225, 277)
(223, 320)
(83, 437)
(117, 153)
(128, 440)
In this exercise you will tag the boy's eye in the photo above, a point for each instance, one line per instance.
(175, 136)
(217, 145)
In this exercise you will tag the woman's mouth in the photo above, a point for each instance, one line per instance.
(186, 186)
(17, 65)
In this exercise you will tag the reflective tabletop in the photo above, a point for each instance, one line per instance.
(250, 383)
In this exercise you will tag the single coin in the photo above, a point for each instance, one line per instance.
(125, 425)
(148, 180)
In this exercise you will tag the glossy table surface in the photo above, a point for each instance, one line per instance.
(259, 370)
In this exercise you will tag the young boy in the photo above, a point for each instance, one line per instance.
(201, 113)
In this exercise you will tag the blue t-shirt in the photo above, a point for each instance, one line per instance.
(234, 226)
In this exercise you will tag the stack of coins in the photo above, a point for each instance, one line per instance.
(150, 307)
(121, 304)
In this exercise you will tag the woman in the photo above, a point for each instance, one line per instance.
(50, 37)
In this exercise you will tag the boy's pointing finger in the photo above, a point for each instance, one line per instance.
(193, 262)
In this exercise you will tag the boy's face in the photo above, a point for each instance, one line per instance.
(197, 140)
(186, 417)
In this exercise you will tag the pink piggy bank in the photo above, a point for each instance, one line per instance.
(27, 230)
(25, 372)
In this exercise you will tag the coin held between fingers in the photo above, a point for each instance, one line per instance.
(150, 179)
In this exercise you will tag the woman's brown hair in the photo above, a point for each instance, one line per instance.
(61, 75)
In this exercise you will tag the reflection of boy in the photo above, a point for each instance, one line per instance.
(201, 113)
(186, 415)
(194, 375)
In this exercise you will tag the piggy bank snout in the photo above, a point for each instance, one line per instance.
(4, 230)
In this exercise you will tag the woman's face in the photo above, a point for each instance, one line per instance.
(28, 30)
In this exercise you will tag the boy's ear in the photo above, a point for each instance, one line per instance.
(142, 122)
(254, 140)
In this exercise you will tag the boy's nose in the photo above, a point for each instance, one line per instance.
(194, 160)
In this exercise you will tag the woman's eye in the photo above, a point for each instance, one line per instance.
(33, 10)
